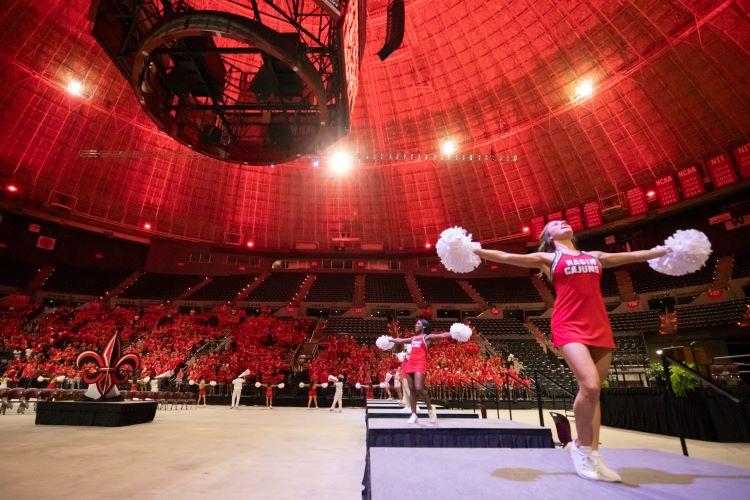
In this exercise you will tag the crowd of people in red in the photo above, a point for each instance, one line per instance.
(46, 345)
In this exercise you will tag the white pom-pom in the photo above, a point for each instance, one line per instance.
(281, 385)
(460, 332)
(147, 380)
(331, 378)
(61, 378)
(401, 357)
(358, 386)
(456, 250)
(382, 385)
(40, 379)
(690, 251)
(384, 342)
(258, 384)
(191, 382)
(212, 383)
(301, 385)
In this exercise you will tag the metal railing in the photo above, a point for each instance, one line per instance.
(666, 361)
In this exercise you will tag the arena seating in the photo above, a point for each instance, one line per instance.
(222, 287)
(647, 280)
(630, 350)
(16, 274)
(332, 288)
(89, 281)
(609, 283)
(360, 328)
(386, 288)
(278, 287)
(741, 267)
(505, 290)
(442, 290)
(499, 327)
(160, 286)
(720, 314)
(532, 357)
(641, 321)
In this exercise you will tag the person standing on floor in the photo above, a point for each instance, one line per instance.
(338, 395)
(237, 391)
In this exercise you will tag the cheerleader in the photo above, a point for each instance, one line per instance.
(312, 394)
(269, 396)
(415, 367)
(580, 327)
(397, 384)
(202, 391)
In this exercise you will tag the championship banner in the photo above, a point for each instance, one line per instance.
(691, 182)
(666, 191)
(721, 171)
(742, 156)
(636, 200)
(574, 218)
(593, 214)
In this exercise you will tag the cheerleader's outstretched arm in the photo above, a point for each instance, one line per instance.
(623, 258)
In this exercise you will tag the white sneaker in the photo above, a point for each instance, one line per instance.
(413, 419)
(432, 412)
(583, 462)
(605, 473)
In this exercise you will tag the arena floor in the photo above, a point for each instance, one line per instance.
(279, 454)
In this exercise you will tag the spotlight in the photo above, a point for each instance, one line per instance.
(75, 87)
(428, 246)
(448, 147)
(659, 352)
(525, 229)
(315, 163)
(147, 225)
(584, 90)
(250, 244)
(12, 188)
(651, 193)
(341, 162)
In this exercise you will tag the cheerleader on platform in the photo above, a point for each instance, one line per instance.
(415, 367)
(580, 327)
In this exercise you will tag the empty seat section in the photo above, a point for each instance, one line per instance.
(442, 291)
(386, 288)
(222, 287)
(505, 290)
(332, 288)
(160, 286)
(84, 281)
(278, 287)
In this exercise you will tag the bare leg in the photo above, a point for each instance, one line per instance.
(315, 400)
(309, 400)
(419, 388)
(412, 393)
(585, 406)
(602, 358)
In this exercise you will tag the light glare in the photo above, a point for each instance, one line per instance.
(75, 87)
(341, 162)
(448, 147)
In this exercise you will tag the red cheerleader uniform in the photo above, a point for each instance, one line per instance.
(312, 391)
(417, 362)
(369, 394)
(269, 392)
(579, 314)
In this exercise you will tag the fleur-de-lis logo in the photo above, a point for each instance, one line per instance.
(109, 365)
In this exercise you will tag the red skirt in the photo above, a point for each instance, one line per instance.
(201, 392)
(269, 393)
(312, 392)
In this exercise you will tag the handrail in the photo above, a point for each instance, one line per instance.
(666, 361)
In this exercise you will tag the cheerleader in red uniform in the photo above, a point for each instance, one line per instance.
(312, 394)
(580, 327)
(269, 396)
(202, 392)
(415, 367)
